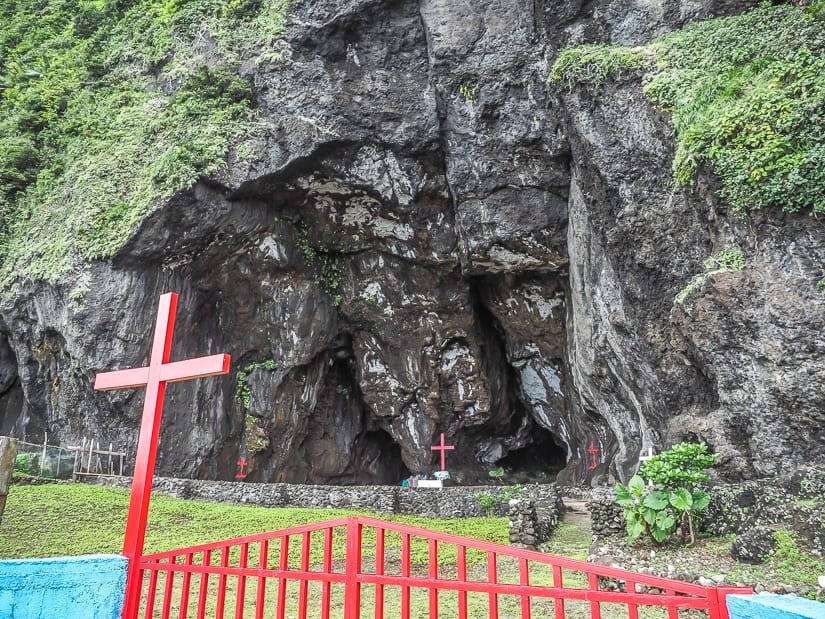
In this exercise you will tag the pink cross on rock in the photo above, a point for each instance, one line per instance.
(443, 449)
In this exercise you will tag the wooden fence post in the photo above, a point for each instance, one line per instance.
(8, 452)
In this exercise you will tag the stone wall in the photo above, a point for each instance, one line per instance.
(450, 502)
(532, 522)
(89, 587)
(605, 516)
(737, 508)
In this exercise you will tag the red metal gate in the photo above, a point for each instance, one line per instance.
(362, 567)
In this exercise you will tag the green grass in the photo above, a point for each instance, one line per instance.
(746, 96)
(109, 107)
(70, 519)
(593, 63)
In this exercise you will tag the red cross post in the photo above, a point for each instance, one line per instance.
(592, 450)
(242, 464)
(154, 377)
(443, 449)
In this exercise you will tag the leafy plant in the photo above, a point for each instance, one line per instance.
(673, 502)
(469, 94)
(681, 465)
(242, 379)
(491, 502)
(487, 502)
(724, 262)
(688, 506)
(592, 64)
(745, 94)
(645, 510)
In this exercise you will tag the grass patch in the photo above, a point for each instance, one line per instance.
(746, 96)
(71, 519)
(108, 108)
(593, 63)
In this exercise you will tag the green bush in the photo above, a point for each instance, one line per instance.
(746, 96)
(107, 108)
(23, 463)
(681, 465)
(592, 64)
(673, 502)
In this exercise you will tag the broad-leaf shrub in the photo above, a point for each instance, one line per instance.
(673, 502)
(681, 465)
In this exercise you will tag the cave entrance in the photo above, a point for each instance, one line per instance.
(11, 390)
(383, 463)
(537, 462)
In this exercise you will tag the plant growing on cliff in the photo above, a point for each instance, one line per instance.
(242, 379)
(725, 261)
(592, 64)
(745, 94)
(109, 108)
(469, 94)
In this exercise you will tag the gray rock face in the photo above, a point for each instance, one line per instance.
(427, 240)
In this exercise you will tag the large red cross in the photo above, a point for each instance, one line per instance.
(443, 449)
(154, 377)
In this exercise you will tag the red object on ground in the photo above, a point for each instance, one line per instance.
(154, 377)
(443, 449)
(301, 572)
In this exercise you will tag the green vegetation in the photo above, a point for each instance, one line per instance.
(469, 94)
(746, 96)
(326, 267)
(673, 502)
(788, 563)
(681, 465)
(255, 437)
(107, 107)
(494, 502)
(593, 63)
(69, 519)
(242, 379)
(724, 262)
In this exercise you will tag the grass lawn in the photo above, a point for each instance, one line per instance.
(71, 519)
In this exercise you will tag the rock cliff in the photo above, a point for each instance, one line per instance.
(420, 237)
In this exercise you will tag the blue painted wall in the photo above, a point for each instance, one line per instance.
(770, 606)
(89, 587)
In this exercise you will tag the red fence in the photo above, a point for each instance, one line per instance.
(362, 567)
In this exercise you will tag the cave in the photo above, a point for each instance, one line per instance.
(537, 462)
(386, 467)
(11, 391)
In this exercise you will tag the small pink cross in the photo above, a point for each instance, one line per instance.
(443, 449)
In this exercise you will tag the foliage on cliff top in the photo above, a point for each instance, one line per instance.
(593, 64)
(109, 106)
(746, 95)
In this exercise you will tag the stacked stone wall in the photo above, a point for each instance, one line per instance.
(449, 502)
(737, 508)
